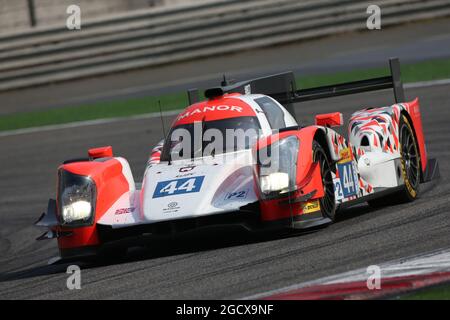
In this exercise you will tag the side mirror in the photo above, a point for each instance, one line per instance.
(102, 152)
(329, 120)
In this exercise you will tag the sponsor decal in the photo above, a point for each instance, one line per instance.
(178, 186)
(172, 204)
(124, 210)
(172, 207)
(206, 109)
(345, 155)
(187, 168)
(237, 195)
(411, 190)
(311, 206)
(184, 175)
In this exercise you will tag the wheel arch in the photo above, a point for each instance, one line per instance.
(321, 137)
(411, 122)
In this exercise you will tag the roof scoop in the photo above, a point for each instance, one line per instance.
(215, 92)
(226, 86)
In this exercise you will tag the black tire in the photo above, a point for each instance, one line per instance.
(410, 161)
(327, 203)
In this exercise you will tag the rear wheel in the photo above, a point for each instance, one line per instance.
(327, 203)
(410, 161)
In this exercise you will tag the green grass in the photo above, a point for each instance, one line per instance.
(434, 293)
(429, 70)
(112, 109)
(421, 71)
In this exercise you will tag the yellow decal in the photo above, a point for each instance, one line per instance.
(345, 155)
(311, 206)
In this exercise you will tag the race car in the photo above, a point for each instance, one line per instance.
(240, 158)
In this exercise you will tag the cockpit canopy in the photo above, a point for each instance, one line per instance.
(206, 138)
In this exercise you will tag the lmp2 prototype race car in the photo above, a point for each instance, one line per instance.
(279, 176)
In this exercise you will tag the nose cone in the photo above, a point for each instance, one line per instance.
(193, 188)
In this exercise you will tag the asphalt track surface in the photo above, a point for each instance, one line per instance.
(227, 262)
(220, 263)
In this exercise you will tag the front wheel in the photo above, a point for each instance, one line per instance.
(327, 202)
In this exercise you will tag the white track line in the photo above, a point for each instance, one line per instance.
(418, 265)
(86, 123)
(423, 84)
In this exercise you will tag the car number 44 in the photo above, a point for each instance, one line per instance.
(178, 186)
(347, 183)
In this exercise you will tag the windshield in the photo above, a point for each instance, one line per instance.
(199, 139)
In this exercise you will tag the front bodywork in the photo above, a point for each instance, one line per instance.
(186, 189)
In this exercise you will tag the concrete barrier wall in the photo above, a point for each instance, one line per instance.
(14, 14)
(164, 35)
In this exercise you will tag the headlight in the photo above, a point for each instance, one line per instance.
(278, 167)
(76, 199)
(276, 181)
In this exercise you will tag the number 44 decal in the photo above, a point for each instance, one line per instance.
(178, 186)
(347, 184)
(172, 187)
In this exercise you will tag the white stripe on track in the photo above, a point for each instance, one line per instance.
(418, 265)
(86, 123)
(425, 84)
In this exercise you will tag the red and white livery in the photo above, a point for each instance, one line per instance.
(316, 172)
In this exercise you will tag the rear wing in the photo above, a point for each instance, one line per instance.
(282, 87)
